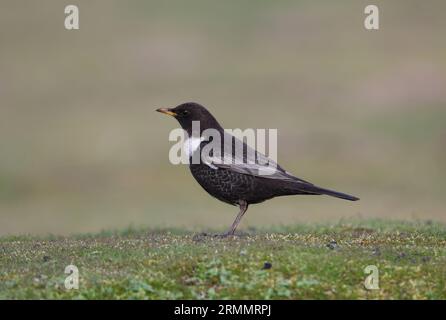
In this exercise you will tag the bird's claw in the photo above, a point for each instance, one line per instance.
(224, 235)
(203, 235)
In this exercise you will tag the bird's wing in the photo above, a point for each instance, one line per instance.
(247, 161)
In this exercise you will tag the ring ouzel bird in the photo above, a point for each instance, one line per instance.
(238, 178)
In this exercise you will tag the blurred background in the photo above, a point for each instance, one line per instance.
(82, 150)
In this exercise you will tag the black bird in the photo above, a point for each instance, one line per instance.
(237, 178)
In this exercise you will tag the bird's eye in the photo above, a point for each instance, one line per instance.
(184, 113)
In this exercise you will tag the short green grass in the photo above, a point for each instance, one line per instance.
(306, 262)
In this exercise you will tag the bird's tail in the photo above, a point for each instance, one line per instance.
(336, 194)
(312, 189)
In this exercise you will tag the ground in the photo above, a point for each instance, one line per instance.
(298, 262)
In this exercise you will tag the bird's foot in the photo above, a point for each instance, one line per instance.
(200, 236)
(204, 235)
(224, 235)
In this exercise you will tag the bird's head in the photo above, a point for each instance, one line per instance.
(188, 112)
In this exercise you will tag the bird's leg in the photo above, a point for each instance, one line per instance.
(243, 208)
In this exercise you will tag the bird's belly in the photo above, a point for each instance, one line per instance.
(229, 186)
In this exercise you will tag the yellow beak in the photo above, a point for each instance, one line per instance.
(166, 111)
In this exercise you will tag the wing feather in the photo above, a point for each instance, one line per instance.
(247, 161)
